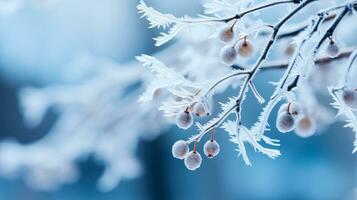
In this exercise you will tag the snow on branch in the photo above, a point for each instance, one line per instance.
(301, 66)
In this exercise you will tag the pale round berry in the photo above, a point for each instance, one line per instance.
(193, 160)
(305, 127)
(180, 149)
(245, 48)
(295, 109)
(199, 109)
(226, 34)
(228, 55)
(285, 122)
(350, 98)
(332, 49)
(211, 148)
(184, 120)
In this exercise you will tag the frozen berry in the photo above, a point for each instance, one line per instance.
(245, 48)
(305, 127)
(184, 120)
(228, 55)
(285, 122)
(199, 109)
(226, 34)
(193, 160)
(332, 49)
(211, 148)
(180, 149)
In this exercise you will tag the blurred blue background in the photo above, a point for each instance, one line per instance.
(37, 47)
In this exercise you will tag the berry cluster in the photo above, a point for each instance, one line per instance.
(193, 159)
(291, 116)
(230, 52)
(185, 119)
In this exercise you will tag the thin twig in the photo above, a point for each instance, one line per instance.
(238, 15)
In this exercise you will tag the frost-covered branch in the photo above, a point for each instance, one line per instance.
(298, 113)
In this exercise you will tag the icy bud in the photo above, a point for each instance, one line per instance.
(180, 149)
(245, 48)
(285, 122)
(199, 109)
(226, 34)
(193, 160)
(211, 148)
(228, 55)
(332, 49)
(305, 126)
(184, 120)
(350, 98)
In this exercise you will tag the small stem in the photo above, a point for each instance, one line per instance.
(212, 135)
(289, 106)
(194, 147)
(232, 27)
